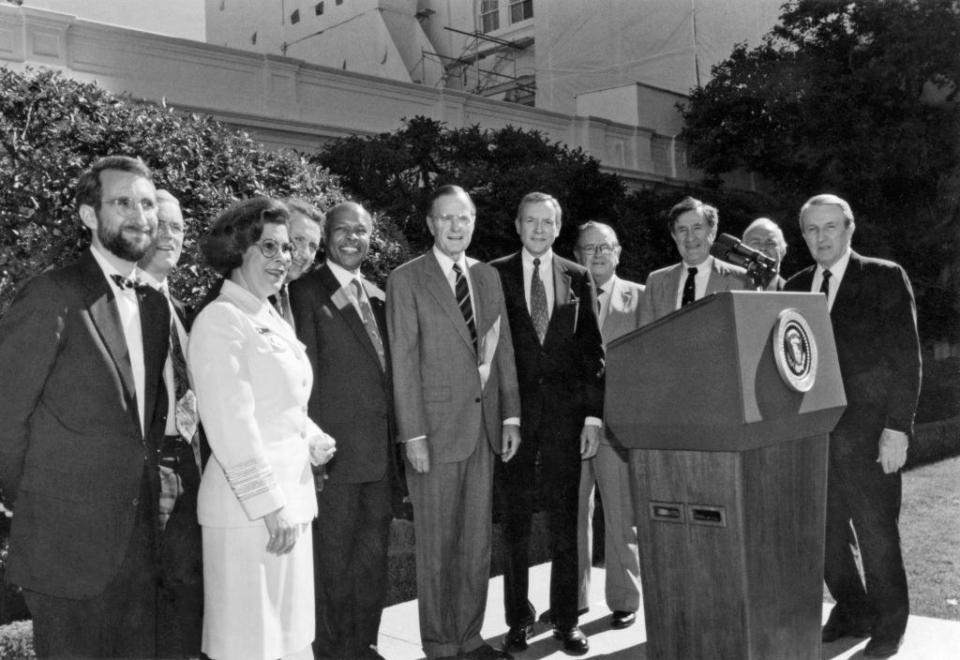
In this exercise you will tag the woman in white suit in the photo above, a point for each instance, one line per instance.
(257, 498)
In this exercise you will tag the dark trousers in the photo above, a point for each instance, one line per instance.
(350, 537)
(118, 623)
(859, 492)
(546, 469)
(180, 598)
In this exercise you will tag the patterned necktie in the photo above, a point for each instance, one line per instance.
(462, 291)
(689, 288)
(825, 285)
(599, 306)
(181, 382)
(283, 304)
(538, 303)
(369, 322)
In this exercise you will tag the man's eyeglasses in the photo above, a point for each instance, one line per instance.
(127, 206)
(270, 248)
(599, 248)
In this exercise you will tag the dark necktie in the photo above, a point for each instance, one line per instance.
(825, 285)
(181, 382)
(283, 305)
(599, 301)
(538, 303)
(369, 322)
(462, 291)
(689, 288)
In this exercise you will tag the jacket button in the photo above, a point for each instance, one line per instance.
(477, 400)
(135, 501)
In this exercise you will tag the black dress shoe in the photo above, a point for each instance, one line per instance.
(622, 619)
(839, 626)
(574, 641)
(547, 615)
(882, 647)
(516, 638)
(486, 652)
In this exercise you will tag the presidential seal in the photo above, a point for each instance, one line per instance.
(795, 350)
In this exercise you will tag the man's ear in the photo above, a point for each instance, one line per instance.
(88, 216)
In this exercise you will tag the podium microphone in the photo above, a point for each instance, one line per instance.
(759, 266)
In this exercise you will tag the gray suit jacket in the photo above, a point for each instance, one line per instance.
(623, 314)
(436, 381)
(660, 296)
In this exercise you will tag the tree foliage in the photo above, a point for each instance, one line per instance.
(861, 99)
(52, 128)
(396, 173)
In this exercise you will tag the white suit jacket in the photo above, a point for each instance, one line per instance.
(252, 381)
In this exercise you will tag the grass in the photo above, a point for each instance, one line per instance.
(930, 537)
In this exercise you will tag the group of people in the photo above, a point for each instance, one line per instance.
(305, 396)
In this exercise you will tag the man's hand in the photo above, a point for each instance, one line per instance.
(893, 450)
(511, 441)
(419, 455)
(589, 441)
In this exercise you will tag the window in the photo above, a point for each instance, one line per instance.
(520, 10)
(295, 16)
(318, 9)
(489, 15)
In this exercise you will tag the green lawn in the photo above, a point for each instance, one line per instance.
(930, 535)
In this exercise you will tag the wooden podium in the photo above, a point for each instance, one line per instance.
(725, 407)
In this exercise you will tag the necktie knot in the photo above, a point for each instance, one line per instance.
(827, 274)
(125, 282)
(692, 271)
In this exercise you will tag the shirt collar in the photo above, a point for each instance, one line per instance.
(546, 259)
(109, 269)
(344, 276)
(705, 267)
(153, 282)
(838, 269)
(243, 298)
(446, 263)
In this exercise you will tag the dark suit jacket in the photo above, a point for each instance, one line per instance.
(436, 382)
(352, 397)
(72, 452)
(874, 321)
(564, 377)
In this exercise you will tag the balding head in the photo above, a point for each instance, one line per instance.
(164, 253)
(764, 235)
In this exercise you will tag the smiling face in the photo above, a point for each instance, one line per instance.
(451, 222)
(538, 227)
(827, 233)
(262, 275)
(125, 222)
(163, 255)
(597, 249)
(694, 237)
(305, 236)
(348, 230)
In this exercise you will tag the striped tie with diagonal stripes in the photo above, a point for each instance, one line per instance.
(463, 301)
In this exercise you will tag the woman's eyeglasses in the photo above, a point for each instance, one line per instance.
(270, 248)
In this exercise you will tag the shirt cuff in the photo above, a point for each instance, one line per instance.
(593, 421)
(511, 421)
(419, 437)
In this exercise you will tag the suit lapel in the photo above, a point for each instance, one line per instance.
(154, 325)
(106, 318)
(561, 284)
(671, 284)
(439, 288)
(849, 289)
(480, 296)
(347, 311)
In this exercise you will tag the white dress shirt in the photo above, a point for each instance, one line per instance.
(700, 280)
(129, 308)
(345, 277)
(446, 265)
(836, 276)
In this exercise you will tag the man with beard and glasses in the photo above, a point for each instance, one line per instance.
(83, 405)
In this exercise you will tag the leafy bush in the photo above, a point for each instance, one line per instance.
(16, 641)
(52, 128)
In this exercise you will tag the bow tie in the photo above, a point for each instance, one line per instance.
(126, 283)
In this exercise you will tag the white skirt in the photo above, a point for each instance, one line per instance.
(257, 605)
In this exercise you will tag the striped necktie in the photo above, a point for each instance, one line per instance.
(462, 291)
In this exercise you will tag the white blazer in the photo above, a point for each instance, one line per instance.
(252, 380)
